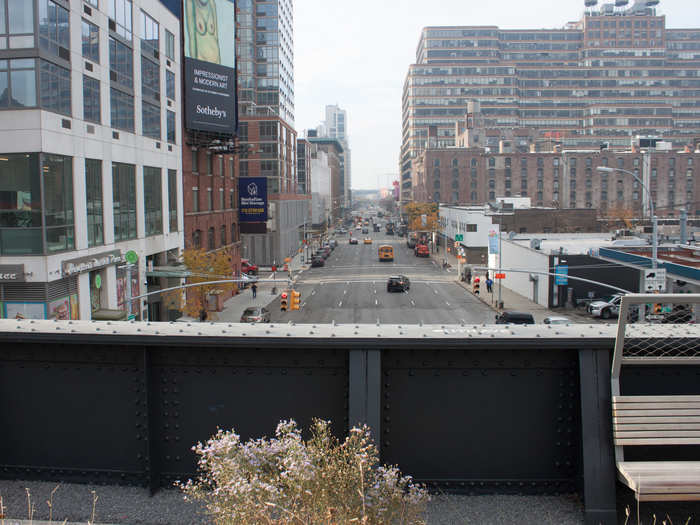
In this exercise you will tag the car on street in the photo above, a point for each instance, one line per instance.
(333, 243)
(555, 319)
(255, 314)
(358, 227)
(421, 250)
(398, 283)
(368, 240)
(317, 261)
(353, 240)
(365, 230)
(511, 317)
(606, 307)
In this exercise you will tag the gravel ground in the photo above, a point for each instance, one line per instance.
(133, 506)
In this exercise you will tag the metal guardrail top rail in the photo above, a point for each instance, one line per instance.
(656, 329)
(306, 331)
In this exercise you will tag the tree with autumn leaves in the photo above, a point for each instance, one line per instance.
(416, 211)
(203, 266)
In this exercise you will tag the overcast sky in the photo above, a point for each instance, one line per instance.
(356, 54)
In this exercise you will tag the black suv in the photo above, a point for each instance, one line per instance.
(509, 317)
(398, 283)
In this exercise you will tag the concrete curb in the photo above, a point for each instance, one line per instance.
(478, 296)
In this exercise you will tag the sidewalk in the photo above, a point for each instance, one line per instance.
(236, 305)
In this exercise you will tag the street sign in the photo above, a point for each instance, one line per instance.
(459, 237)
(131, 257)
(562, 275)
(655, 280)
(131, 317)
(500, 276)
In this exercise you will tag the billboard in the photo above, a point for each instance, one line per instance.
(210, 65)
(252, 195)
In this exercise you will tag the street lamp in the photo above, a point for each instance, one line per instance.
(654, 236)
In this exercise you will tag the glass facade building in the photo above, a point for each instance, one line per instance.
(85, 160)
(608, 77)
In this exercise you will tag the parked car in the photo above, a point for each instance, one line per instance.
(353, 240)
(606, 307)
(365, 230)
(510, 317)
(368, 240)
(333, 243)
(248, 267)
(556, 320)
(256, 314)
(398, 283)
(317, 261)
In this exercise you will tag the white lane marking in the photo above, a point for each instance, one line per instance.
(340, 304)
(313, 293)
(375, 291)
(345, 292)
(413, 302)
(448, 304)
(376, 302)
(435, 291)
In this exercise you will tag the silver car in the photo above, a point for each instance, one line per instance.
(256, 314)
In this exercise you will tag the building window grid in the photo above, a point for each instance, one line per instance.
(195, 199)
(54, 29)
(172, 199)
(124, 201)
(90, 41)
(153, 200)
(94, 202)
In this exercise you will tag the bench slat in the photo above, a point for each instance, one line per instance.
(628, 427)
(678, 467)
(656, 406)
(656, 419)
(647, 399)
(657, 413)
(657, 441)
(668, 497)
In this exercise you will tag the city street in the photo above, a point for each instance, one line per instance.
(352, 288)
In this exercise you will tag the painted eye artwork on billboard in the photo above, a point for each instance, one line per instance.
(210, 62)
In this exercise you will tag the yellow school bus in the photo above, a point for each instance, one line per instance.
(386, 253)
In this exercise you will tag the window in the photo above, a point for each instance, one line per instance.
(150, 36)
(242, 168)
(195, 160)
(20, 22)
(471, 227)
(492, 162)
(620, 162)
(221, 165)
(57, 172)
(222, 206)
(169, 45)
(93, 196)
(211, 241)
(54, 30)
(172, 199)
(153, 201)
(197, 239)
(55, 88)
(268, 130)
(151, 120)
(223, 235)
(150, 80)
(231, 199)
(20, 213)
(604, 161)
(120, 13)
(91, 41)
(195, 199)
(170, 84)
(170, 126)
(121, 63)
(210, 164)
(17, 83)
(210, 199)
(121, 110)
(93, 3)
(124, 201)
(91, 99)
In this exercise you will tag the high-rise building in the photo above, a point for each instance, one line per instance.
(265, 65)
(617, 73)
(336, 127)
(89, 157)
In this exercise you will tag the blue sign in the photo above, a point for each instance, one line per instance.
(493, 242)
(252, 199)
(562, 275)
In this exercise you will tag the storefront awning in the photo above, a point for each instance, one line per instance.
(168, 271)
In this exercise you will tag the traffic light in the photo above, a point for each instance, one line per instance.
(658, 308)
(296, 298)
(475, 286)
(283, 301)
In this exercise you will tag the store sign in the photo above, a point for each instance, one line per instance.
(91, 262)
(561, 277)
(13, 273)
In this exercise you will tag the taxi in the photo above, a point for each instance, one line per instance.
(368, 240)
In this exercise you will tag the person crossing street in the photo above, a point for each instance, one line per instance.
(254, 289)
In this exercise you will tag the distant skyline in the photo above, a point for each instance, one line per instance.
(365, 75)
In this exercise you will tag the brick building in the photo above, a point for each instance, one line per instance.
(560, 179)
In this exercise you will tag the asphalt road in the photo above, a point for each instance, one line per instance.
(351, 288)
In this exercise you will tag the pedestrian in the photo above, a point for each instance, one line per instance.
(202, 315)
(469, 276)
(489, 285)
(254, 289)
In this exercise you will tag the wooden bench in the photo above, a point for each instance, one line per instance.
(657, 420)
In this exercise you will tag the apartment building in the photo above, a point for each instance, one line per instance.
(89, 157)
(618, 72)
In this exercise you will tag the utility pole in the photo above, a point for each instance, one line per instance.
(500, 260)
